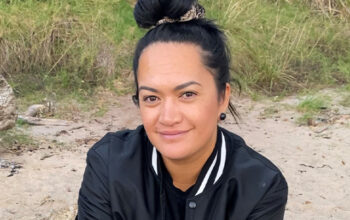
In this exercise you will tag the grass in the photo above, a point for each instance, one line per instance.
(68, 48)
(16, 140)
(313, 104)
(345, 101)
(285, 46)
(65, 47)
(269, 112)
(311, 107)
(101, 111)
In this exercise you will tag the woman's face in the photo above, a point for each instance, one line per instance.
(178, 100)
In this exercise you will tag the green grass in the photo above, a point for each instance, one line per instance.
(345, 101)
(269, 112)
(67, 48)
(306, 118)
(311, 107)
(347, 87)
(15, 140)
(284, 47)
(314, 104)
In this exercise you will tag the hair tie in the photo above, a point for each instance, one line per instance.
(197, 11)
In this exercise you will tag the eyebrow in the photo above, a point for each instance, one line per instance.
(179, 87)
(148, 88)
(184, 85)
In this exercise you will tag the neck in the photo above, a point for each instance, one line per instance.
(185, 172)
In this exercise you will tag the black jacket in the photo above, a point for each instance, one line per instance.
(122, 182)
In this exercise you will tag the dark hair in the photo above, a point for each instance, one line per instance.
(201, 32)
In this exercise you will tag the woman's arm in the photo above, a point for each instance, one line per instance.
(272, 205)
(93, 202)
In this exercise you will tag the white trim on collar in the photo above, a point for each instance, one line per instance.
(210, 170)
(154, 160)
(222, 158)
(207, 175)
(220, 169)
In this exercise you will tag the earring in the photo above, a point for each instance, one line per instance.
(222, 116)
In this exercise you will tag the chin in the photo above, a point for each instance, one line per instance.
(174, 151)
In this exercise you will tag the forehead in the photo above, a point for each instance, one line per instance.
(175, 50)
(171, 61)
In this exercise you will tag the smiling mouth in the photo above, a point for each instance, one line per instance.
(172, 134)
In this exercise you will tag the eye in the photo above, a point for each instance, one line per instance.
(150, 99)
(188, 95)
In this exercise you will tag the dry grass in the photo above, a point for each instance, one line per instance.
(339, 8)
(64, 46)
(66, 51)
(71, 46)
(282, 47)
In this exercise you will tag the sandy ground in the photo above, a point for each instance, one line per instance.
(314, 159)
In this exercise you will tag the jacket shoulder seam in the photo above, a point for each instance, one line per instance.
(273, 167)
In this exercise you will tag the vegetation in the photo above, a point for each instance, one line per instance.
(67, 47)
(16, 140)
(345, 101)
(64, 47)
(312, 106)
(285, 46)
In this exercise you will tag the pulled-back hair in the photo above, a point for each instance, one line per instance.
(201, 32)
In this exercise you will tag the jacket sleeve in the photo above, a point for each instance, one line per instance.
(272, 205)
(93, 201)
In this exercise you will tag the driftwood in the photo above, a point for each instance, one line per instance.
(40, 110)
(43, 121)
(34, 110)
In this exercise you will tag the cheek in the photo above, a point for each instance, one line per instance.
(148, 116)
(204, 113)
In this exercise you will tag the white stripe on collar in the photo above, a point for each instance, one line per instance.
(154, 160)
(222, 158)
(207, 175)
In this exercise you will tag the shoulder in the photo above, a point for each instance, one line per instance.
(250, 166)
(120, 143)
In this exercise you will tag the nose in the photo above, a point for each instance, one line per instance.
(170, 113)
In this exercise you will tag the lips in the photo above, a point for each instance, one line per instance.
(176, 132)
(172, 134)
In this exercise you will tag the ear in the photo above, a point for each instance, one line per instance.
(225, 98)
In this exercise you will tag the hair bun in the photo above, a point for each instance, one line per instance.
(148, 12)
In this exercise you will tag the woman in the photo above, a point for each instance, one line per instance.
(180, 164)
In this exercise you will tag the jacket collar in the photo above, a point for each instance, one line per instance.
(212, 174)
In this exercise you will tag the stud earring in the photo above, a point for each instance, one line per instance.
(222, 116)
